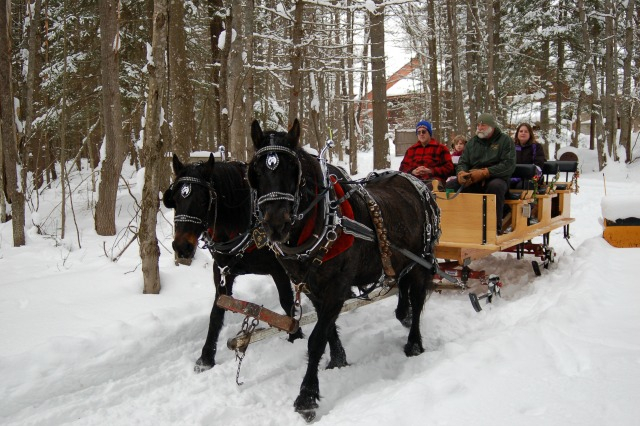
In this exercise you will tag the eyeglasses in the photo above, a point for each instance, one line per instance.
(422, 132)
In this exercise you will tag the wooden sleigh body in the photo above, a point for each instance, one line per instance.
(468, 221)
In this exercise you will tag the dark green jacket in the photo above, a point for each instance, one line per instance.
(497, 153)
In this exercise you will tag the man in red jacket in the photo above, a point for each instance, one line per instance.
(427, 159)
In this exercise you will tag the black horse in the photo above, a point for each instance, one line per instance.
(214, 200)
(291, 188)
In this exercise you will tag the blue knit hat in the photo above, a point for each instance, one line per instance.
(426, 124)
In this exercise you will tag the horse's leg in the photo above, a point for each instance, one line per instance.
(216, 321)
(419, 283)
(328, 311)
(336, 350)
(285, 293)
(403, 313)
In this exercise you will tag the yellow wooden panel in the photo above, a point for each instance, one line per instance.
(462, 218)
(622, 236)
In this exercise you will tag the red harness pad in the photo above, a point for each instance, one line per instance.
(345, 240)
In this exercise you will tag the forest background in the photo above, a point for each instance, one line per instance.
(114, 81)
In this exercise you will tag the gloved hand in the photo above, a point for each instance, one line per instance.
(478, 175)
(463, 178)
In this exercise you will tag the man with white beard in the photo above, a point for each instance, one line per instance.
(487, 163)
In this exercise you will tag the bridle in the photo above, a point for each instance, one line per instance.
(213, 196)
(235, 246)
(268, 152)
(328, 216)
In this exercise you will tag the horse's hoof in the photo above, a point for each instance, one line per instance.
(337, 364)
(413, 349)
(202, 366)
(307, 415)
(305, 405)
(295, 336)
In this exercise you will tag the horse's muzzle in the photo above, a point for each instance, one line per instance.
(182, 260)
(184, 250)
(277, 226)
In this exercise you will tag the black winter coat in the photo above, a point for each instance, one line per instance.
(530, 153)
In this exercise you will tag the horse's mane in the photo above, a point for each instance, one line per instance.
(310, 173)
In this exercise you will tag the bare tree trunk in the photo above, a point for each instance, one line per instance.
(459, 123)
(473, 70)
(625, 101)
(544, 80)
(581, 95)
(353, 141)
(223, 82)
(295, 76)
(433, 70)
(610, 62)
(379, 89)
(3, 202)
(235, 82)
(559, 81)
(181, 92)
(339, 110)
(314, 112)
(364, 81)
(596, 106)
(32, 71)
(249, 90)
(216, 8)
(116, 149)
(63, 126)
(152, 151)
(8, 129)
(498, 98)
(491, 82)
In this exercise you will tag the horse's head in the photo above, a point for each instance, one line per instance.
(275, 174)
(193, 198)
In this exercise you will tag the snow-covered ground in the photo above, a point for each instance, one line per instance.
(80, 344)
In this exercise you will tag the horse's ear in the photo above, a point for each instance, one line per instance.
(294, 133)
(256, 134)
(167, 199)
(177, 165)
(210, 163)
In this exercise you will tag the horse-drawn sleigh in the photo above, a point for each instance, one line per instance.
(333, 236)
